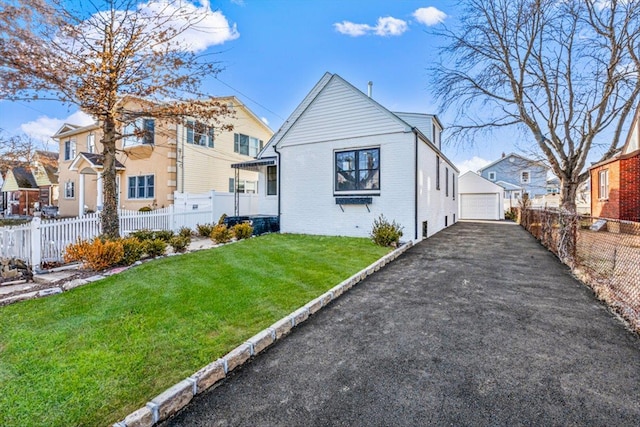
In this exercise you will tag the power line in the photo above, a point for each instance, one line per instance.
(250, 99)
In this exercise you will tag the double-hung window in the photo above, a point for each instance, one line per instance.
(69, 190)
(446, 182)
(357, 170)
(603, 184)
(272, 180)
(437, 172)
(141, 187)
(70, 149)
(199, 134)
(140, 131)
(525, 177)
(247, 145)
(91, 143)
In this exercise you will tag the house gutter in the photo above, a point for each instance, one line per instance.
(415, 183)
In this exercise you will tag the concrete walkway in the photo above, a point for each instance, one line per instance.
(478, 325)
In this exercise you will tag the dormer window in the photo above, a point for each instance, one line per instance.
(492, 176)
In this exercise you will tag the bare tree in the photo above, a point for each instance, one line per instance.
(96, 57)
(16, 151)
(567, 71)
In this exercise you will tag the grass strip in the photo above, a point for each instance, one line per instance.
(92, 355)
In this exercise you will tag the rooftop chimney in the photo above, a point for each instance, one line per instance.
(370, 90)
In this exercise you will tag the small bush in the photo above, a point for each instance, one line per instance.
(164, 235)
(133, 250)
(155, 247)
(221, 234)
(145, 209)
(76, 252)
(204, 230)
(142, 235)
(510, 214)
(185, 232)
(385, 233)
(97, 255)
(179, 243)
(243, 230)
(222, 218)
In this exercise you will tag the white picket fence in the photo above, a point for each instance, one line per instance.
(45, 240)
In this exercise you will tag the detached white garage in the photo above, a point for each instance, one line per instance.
(479, 198)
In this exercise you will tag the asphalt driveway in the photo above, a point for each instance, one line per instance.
(478, 325)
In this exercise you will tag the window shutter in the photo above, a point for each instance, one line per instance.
(190, 125)
(149, 130)
(231, 184)
(211, 130)
(236, 143)
(67, 149)
(261, 145)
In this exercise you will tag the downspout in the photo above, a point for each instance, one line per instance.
(275, 148)
(415, 184)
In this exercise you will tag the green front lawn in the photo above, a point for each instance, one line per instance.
(92, 355)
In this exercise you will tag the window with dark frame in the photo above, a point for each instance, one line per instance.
(141, 187)
(140, 131)
(70, 149)
(69, 190)
(446, 182)
(272, 180)
(246, 145)
(437, 172)
(357, 170)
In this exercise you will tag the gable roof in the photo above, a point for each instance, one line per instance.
(470, 180)
(95, 161)
(508, 186)
(19, 178)
(315, 92)
(502, 159)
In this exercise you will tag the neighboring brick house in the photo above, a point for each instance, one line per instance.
(168, 158)
(517, 175)
(615, 188)
(25, 185)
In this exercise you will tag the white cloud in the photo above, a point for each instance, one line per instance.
(44, 127)
(429, 16)
(387, 26)
(264, 120)
(211, 29)
(390, 26)
(472, 164)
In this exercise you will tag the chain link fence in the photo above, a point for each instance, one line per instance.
(603, 253)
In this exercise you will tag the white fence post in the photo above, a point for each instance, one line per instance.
(172, 218)
(212, 196)
(36, 243)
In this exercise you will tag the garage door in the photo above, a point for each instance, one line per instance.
(479, 206)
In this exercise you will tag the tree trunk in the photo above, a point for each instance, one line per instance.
(110, 222)
(568, 191)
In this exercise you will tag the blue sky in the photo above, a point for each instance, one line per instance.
(274, 51)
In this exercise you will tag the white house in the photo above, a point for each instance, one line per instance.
(341, 159)
(480, 198)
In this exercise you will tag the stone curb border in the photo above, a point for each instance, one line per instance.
(179, 395)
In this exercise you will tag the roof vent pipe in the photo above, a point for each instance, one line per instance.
(370, 88)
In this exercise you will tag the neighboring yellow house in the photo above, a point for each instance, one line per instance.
(168, 158)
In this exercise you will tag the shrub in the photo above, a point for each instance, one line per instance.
(154, 247)
(164, 235)
(221, 234)
(145, 209)
(222, 218)
(385, 233)
(243, 230)
(185, 232)
(179, 243)
(96, 255)
(510, 214)
(75, 252)
(142, 235)
(133, 250)
(204, 230)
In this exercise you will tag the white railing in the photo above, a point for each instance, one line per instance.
(45, 241)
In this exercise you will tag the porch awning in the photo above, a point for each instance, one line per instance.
(95, 161)
(253, 165)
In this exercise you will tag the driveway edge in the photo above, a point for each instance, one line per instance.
(179, 395)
